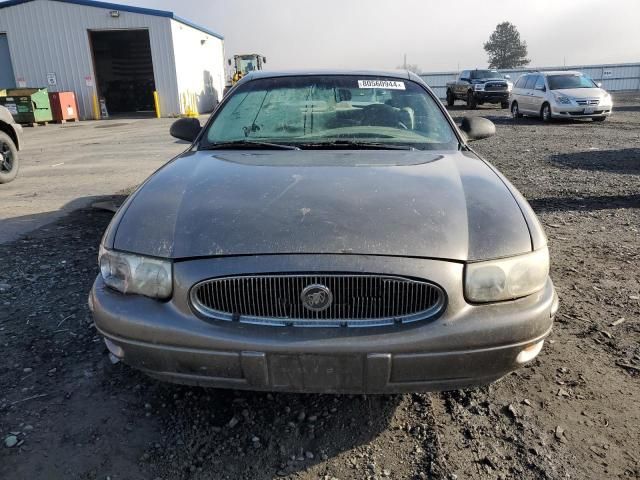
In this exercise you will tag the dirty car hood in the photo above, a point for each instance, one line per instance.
(448, 205)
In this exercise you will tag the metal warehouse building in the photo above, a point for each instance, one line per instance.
(118, 53)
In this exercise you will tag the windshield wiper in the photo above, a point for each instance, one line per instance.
(350, 144)
(241, 144)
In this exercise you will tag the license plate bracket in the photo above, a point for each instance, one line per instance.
(317, 372)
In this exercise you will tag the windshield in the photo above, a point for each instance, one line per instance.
(247, 64)
(482, 74)
(317, 111)
(559, 82)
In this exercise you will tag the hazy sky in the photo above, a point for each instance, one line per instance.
(436, 35)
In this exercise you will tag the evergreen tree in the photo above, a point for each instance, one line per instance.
(505, 48)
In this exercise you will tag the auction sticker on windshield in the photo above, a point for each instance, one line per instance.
(388, 84)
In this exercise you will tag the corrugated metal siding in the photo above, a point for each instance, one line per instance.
(438, 81)
(614, 77)
(46, 36)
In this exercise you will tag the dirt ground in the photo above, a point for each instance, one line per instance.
(573, 413)
(67, 167)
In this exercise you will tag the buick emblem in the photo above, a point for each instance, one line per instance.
(316, 298)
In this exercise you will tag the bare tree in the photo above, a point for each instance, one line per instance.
(505, 49)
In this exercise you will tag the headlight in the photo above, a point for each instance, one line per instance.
(135, 274)
(607, 100)
(509, 86)
(478, 86)
(508, 278)
(562, 99)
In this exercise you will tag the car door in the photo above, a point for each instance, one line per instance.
(526, 105)
(537, 96)
(463, 84)
(519, 91)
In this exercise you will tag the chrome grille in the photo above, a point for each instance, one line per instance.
(358, 300)
(587, 102)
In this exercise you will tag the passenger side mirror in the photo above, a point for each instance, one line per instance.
(508, 77)
(477, 128)
(186, 129)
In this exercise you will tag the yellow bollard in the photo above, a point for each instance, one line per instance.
(189, 105)
(186, 107)
(193, 106)
(96, 107)
(156, 102)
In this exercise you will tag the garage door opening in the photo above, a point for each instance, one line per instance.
(124, 70)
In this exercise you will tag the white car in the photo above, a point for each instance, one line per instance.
(563, 94)
(10, 143)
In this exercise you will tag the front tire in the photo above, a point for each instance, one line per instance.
(451, 100)
(9, 164)
(545, 113)
(471, 101)
(515, 111)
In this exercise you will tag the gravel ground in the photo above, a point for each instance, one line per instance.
(67, 412)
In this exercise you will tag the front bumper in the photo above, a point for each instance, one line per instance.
(491, 97)
(580, 111)
(467, 345)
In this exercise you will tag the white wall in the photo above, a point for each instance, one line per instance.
(52, 37)
(199, 65)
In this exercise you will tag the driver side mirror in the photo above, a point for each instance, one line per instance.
(465, 79)
(186, 129)
(508, 77)
(477, 128)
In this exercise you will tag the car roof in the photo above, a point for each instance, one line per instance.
(555, 72)
(399, 74)
(561, 72)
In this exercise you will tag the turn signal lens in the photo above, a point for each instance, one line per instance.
(530, 352)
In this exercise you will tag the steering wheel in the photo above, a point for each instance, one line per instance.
(379, 114)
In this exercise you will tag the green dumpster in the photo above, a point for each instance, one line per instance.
(28, 105)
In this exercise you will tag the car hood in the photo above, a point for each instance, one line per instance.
(581, 93)
(448, 205)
